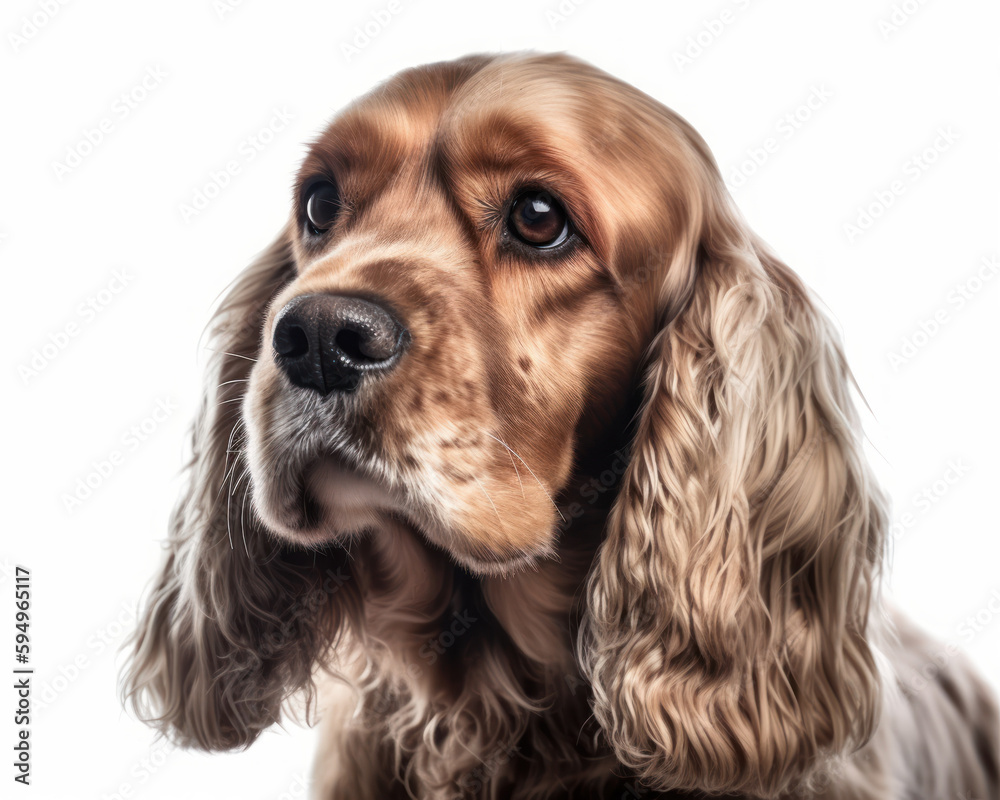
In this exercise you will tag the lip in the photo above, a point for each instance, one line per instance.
(324, 499)
(343, 501)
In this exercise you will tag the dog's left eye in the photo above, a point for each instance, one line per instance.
(322, 206)
(538, 219)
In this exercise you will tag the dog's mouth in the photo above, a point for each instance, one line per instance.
(318, 480)
(324, 499)
(340, 501)
(330, 501)
(333, 502)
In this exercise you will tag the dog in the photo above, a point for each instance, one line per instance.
(530, 471)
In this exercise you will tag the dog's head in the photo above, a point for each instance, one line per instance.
(472, 282)
(486, 260)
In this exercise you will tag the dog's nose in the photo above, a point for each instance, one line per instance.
(327, 343)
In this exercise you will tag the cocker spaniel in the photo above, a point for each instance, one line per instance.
(528, 468)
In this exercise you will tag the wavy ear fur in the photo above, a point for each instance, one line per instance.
(726, 630)
(231, 626)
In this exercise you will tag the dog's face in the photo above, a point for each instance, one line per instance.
(462, 317)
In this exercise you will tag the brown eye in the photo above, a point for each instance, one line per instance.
(322, 206)
(537, 218)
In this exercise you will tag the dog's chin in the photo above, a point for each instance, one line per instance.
(339, 503)
(348, 502)
(335, 504)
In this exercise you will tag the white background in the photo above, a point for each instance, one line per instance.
(227, 70)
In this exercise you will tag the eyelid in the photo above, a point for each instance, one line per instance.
(311, 183)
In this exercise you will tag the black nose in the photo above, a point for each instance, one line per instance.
(327, 343)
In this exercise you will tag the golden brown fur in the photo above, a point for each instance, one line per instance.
(449, 555)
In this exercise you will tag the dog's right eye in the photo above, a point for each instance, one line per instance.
(322, 206)
(539, 220)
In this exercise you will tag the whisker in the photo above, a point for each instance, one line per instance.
(533, 475)
(234, 380)
(519, 483)
(243, 524)
(229, 527)
(510, 455)
(488, 498)
(227, 470)
(238, 482)
(234, 355)
(228, 477)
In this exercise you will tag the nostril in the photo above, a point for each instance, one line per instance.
(327, 342)
(291, 341)
(351, 343)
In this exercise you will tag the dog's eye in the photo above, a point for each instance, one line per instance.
(322, 206)
(538, 219)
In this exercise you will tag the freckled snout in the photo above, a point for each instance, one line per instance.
(330, 343)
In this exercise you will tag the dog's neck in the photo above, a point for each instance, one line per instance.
(486, 662)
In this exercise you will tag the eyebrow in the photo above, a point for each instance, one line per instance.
(499, 142)
(496, 144)
(354, 143)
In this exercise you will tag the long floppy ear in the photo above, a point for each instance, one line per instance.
(725, 636)
(231, 626)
